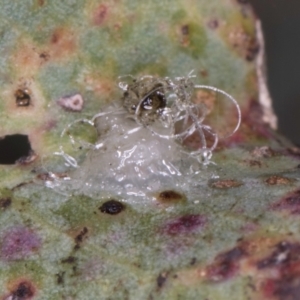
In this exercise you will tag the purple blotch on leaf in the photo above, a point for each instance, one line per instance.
(185, 224)
(225, 265)
(290, 203)
(18, 243)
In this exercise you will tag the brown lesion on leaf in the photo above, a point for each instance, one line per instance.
(183, 225)
(272, 264)
(82, 234)
(41, 2)
(80, 237)
(161, 280)
(5, 202)
(26, 58)
(51, 176)
(63, 43)
(207, 99)
(100, 14)
(263, 152)
(285, 288)
(278, 180)
(253, 163)
(281, 277)
(170, 197)
(253, 125)
(101, 86)
(29, 56)
(225, 265)
(44, 56)
(289, 203)
(244, 43)
(213, 23)
(183, 34)
(69, 260)
(194, 140)
(204, 73)
(21, 289)
(185, 30)
(60, 278)
(225, 183)
(284, 253)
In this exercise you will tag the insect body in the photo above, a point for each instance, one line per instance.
(166, 107)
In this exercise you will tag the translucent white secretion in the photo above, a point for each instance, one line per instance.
(140, 148)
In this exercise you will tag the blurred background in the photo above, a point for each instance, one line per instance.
(281, 26)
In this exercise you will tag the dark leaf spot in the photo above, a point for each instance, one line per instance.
(225, 265)
(184, 225)
(112, 207)
(51, 176)
(69, 260)
(287, 288)
(253, 163)
(56, 36)
(44, 56)
(79, 238)
(204, 73)
(74, 268)
(252, 50)
(283, 254)
(213, 24)
(5, 203)
(81, 235)
(14, 147)
(285, 259)
(253, 118)
(225, 183)
(185, 30)
(23, 291)
(263, 151)
(290, 203)
(277, 180)
(161, 279)
(169, 196)
(60, 278)
(100, 14)
(22, 97)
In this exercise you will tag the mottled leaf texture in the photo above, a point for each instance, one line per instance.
(232, 233)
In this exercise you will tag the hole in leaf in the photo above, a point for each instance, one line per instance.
(14, 147)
